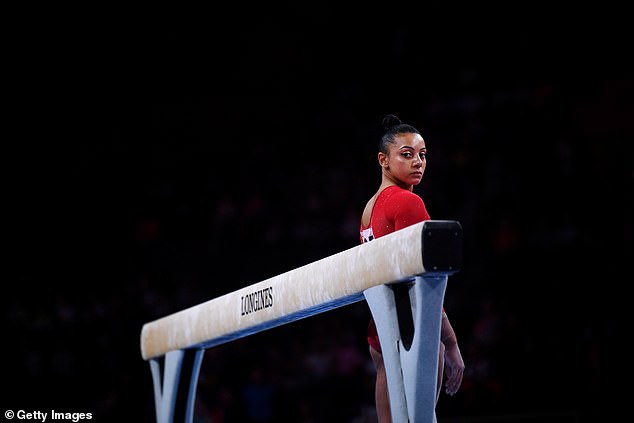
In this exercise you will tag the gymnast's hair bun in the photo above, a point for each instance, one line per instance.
(390, 121)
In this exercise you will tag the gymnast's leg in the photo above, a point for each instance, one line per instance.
(381, 396)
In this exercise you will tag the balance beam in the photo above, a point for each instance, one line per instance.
(427, 248)
(322, 285)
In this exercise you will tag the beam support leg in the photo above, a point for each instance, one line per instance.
(175, 396)
(408, 318)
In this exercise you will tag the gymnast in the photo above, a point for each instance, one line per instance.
(402, 157)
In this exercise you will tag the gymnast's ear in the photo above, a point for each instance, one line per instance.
(383, 161)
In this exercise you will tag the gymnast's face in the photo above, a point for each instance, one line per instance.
(405, 164)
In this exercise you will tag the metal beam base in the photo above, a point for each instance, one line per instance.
(408, 317)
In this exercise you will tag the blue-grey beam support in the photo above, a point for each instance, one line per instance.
(408, 317)
(175, 377)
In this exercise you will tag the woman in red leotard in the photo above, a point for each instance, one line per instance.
(402, 157)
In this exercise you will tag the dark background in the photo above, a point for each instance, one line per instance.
(158, 159)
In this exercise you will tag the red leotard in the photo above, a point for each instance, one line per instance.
(394, 208)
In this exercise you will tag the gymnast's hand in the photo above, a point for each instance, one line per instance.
(454, 369)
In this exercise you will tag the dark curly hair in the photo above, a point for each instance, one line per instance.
(392, 126)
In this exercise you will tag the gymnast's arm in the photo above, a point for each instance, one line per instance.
(454, 364)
